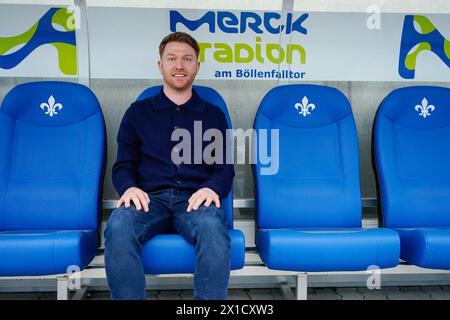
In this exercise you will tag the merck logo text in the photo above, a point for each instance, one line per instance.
(228, 22)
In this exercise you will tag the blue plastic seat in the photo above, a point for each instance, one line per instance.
(308, 209)
(52, 150)
(170, 253)
(412, 157)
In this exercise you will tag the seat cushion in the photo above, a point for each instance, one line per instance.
(170, 253)
(328, 250)
(426, 247)
(43, 252)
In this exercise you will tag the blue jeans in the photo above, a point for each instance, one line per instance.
(128, 229)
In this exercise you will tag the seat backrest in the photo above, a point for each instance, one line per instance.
(213, 97)
(412, 156)
(317, 182)
(52, 149)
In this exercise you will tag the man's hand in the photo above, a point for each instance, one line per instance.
(139, 198)
(202, 195)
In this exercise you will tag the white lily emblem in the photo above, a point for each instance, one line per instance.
(51, 106)
(425, 108)
(305, 107)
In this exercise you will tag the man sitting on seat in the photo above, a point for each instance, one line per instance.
(158, 194)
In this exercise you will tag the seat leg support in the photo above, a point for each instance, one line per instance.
(285, 291)
(80, 293)
(62, 288)
(302, 286)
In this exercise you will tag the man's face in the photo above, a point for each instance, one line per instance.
(178, 65)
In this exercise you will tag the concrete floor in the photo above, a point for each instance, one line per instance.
(386, 293)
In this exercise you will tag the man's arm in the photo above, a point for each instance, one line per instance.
(124, 170)
(219, 183)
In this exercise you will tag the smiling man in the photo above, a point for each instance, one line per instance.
(158, 195)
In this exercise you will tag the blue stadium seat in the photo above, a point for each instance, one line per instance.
(170, 253)
(308, 209)
(52, 149)
(412, 157)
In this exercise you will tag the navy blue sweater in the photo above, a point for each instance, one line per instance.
(145, 146)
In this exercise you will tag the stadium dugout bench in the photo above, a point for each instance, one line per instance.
(308, 211)
(412, 159)
(253, 272)
(52, 157)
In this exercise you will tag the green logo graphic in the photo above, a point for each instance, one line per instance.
(419, 34)
(43, 32)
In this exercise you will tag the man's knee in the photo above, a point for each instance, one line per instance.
(212, 225)
(120, 220)
(212, 217)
